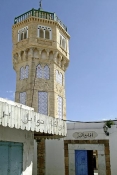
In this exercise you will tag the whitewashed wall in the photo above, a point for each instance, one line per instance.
(113, 149)
(55, 157)
(55, 152)
(25, 137)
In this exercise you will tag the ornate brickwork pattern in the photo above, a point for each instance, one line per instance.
(43, 72)
(60, 107)
(46, 73)
(24, 72)
(43, 103)
(23, 98)
(23, 33)
(39, 71)
(59, 77)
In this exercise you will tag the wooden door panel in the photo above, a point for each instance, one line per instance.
(81, 164)
(16, 159)
(11, 158)
(3, 159)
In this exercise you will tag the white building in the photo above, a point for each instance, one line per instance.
(61, 155)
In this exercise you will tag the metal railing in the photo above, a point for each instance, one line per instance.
(39, 14)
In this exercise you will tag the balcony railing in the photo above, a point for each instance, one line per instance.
(15, 115)
(39, 14)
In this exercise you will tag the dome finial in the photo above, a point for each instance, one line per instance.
(40, 4)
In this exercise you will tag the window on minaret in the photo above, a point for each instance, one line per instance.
(47, 34)
(63, 42)
(60, 107)
(23, 33)
(23, 98)
(21, 36)
(44, 32)
(24, 72)
(43, 103)
(43, 72)
(59, 77)
(46, 72)
(41, 33)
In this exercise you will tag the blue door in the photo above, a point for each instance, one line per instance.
(11, 158)
(81, 163)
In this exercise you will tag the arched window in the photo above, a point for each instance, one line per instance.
(43, 103)
(60, 107)
(26, 71)
(44, 32)
(25, 34)
(39, 71)
(22, 36)
(41, 33)
(59, 77)
(46, 72)
(22, 73)
(60, 40)
(23, 98)
(63, 43)
(47, 34)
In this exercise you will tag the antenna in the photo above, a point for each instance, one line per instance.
(40, 4)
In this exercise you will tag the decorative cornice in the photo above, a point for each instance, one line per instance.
(37, 53)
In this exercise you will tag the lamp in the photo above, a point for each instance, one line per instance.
(105, 127)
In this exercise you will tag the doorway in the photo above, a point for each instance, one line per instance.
(84, 162)
(100, 149)
(11, 158)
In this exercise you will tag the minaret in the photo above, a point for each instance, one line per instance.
(40, 58)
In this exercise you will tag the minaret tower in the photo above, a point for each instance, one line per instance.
(40, 58)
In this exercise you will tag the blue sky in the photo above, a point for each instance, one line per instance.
(91, 79)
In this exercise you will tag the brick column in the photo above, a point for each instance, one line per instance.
(40, 157)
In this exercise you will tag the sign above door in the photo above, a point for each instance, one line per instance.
(85, 135)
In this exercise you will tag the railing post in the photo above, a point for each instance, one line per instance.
(15, 21)
(32, 12)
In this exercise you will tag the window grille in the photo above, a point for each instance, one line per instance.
(41, 33)
(44, 32)
(63, 42)
(59, 77)
(60, 107)
(47, 33)
(43, 103)
(46, 72)
(24, 72)
(43, 72)
(23, 33)
(39, 71)
(23, 98)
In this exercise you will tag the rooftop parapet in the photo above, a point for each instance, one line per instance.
(39, 14)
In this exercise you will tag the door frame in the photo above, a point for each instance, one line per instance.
(102, 146)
